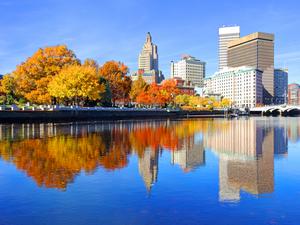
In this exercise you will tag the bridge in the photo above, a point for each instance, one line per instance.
(274, 110)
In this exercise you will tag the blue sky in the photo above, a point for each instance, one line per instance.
(116, 29)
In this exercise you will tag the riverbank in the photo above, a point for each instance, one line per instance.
(104, 114)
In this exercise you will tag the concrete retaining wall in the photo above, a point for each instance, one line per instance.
(67, 116)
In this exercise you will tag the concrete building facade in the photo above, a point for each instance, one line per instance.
(148, 58)
(294, 94)
(226, 34)
(149, 77)
(255, 50)
(148, 63)
(280, 86)
(189, 69)
(242, 85)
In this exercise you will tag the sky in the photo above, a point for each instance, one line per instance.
(116, 29)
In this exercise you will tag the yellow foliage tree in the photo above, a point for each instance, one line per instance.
(7, 88)
(91, 63)
(196, 101)
(182, 100)
(76, 83)
(225, 102)
(7, 84)
(138, 86)
(33, 76)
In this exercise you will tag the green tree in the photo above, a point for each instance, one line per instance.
(106, 95)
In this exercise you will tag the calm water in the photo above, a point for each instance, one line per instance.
(212, 171)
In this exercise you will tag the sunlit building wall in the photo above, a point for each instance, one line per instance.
(189, 69)
(148, 63)
(242, 85)
(226, 34)
(255, 50)
(294, 94)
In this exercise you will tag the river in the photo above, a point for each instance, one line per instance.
(194, 171)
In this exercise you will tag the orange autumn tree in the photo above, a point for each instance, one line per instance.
(143, 98)
(158, 95)
(120, 84)
(169, 90)
(33, 75)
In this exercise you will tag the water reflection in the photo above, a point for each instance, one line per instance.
(148, 167)
(190, 155)
(53, 154)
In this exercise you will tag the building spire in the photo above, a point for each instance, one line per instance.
(148, 37)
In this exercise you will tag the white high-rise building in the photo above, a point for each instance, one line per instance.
(226, 34)
(189, 69)
(242, 85)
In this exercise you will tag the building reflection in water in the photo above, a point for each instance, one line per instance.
(246, 151)
(53, 155)
(190, 155)
(148, 167)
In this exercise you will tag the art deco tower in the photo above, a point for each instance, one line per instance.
(148, 58)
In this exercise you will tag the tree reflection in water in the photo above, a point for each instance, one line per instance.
(53, 154)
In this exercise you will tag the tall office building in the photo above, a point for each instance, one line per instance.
(148, 63)
(148, 58)
(189, 69)
(280, 86)
(226, 34)
(255, 50)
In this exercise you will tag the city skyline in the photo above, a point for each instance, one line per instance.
(26, 26)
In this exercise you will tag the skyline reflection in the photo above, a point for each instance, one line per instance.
(54, 154)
